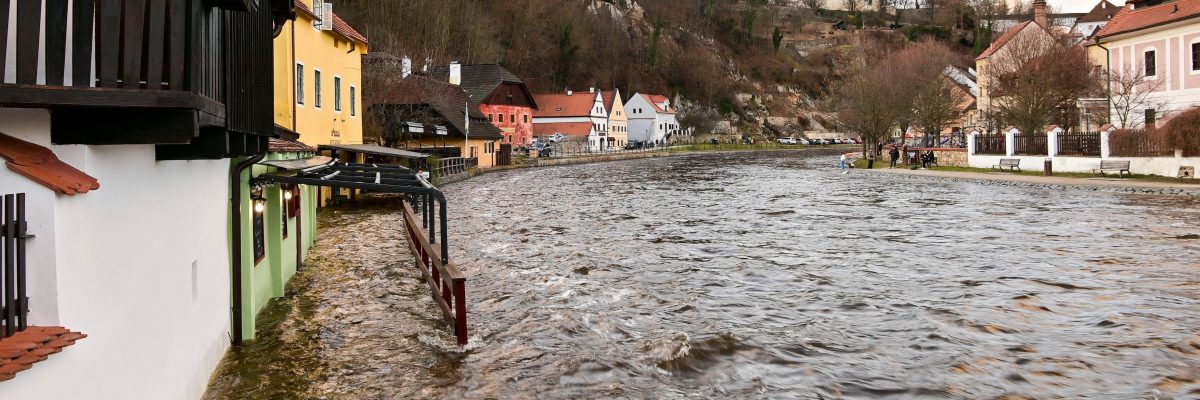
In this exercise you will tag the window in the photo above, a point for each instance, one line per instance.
(317, 88)
(299, 83)
(526, 118)
(1196, 56)
(1150, 117)
(337, 93)
(491, 117)
(353, 101)
(1150, 64)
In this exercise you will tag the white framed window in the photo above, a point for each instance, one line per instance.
(1150, 62)
(1194, 51)
(353, 101)
(316, 88)
(300, 83)
(337, 93)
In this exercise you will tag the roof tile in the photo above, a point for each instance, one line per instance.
(340, 26)
(20, 351)
(42, 166)
(1128, 19)
(566, 128)
(551, 105)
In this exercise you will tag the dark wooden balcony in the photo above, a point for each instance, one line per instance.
(164, 72)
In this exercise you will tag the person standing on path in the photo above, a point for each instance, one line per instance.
(842, 163)
(870, 159)
(895, 154)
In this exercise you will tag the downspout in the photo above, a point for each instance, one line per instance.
(235, 202)
(294, 78)
(1107, 78)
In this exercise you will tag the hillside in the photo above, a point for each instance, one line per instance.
(719, 55)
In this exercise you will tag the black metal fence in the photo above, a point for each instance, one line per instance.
(1031, 145)
(14, 303)
(1086, 144)
(990, 144)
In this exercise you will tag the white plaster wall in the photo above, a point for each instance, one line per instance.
(156, 325)
(32, 126)
(1165, 166)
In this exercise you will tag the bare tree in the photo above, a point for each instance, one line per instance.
(1131, 93)
(868, 101)
(815, 5)
(1036, 80)
(853, 6)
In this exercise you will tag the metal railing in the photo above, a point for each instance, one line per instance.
(447, 283)
(990, 144)
(1079, 144)
(1031, 145)
(14, 303)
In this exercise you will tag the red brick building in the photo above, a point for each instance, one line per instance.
(500, 95)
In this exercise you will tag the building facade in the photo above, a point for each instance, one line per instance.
(651, 119)
(1162, 41)
(579, 116)
(499, 94)
(127, 187)
(432, 116)
(618, 122)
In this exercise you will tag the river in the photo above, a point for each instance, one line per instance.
(748, 275)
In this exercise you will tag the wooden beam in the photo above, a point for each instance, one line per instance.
(178, 44)
(156, 32)
(103, 126)
(56, 41)
(108, 42)
(39, 96)
(29, 31)
(131, 43)
(83, 16)
(3, 36)
(212, 144)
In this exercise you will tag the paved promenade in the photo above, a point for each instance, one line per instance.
(1099, 183)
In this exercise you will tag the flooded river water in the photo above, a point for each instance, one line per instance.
(753, 275)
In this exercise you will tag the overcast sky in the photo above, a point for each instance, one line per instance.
(1078, 6)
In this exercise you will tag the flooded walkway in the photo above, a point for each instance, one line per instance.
(749, 276)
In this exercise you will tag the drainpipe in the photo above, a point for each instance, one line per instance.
(235, 263)
(1107, 78)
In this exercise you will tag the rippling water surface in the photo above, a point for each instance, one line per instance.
(757, 275)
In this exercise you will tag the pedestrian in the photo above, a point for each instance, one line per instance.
(870, 159)
(842, 163)
(895, 153)
(879, 148)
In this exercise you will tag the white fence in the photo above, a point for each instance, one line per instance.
(1163, 166)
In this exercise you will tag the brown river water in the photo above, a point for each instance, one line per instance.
(750, 275)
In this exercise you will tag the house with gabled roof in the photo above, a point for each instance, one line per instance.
(1005, 48)
(1162, 41)
(651, 119)
(577, 116)
(497, 93)
(449, 125)
(618, 122)
(1089, 23)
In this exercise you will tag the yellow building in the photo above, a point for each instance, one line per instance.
(618, 123)
(318, 77)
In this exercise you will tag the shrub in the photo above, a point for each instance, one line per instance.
(1183, 132)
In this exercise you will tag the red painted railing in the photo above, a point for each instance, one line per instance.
(446, 282)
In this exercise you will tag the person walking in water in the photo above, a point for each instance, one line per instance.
(842, 163)
(895, 154)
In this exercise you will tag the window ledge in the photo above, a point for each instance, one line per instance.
(20, 351)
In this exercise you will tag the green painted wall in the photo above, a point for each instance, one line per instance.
(267, 279)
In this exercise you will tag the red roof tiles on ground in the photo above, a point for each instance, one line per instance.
(562, 105)
(1129, 20)
(41, 165)
(566, 128)
(20, 351)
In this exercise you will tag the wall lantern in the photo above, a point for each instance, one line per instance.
(256, 195)
(287, 192)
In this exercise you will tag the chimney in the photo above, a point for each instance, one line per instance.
(592, 89)
(405, 67)
(1039, 13)
(569, 92)
(455, 73)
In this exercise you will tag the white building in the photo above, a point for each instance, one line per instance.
(576, 115)
(651, 119)
(1090, 23)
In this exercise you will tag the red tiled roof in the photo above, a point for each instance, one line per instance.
(610, 99)
(339, 25)
(566, 128)
(1128, 19)
(41, 165)
(20, 351)
(561, 105)
(1100, 13)
(1003, 39)
(280, 145)
(654, 100)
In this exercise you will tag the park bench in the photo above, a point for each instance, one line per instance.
(1011, 163)
(1122, 167)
